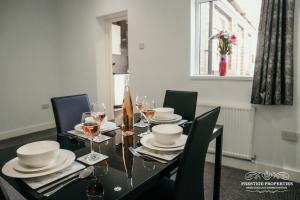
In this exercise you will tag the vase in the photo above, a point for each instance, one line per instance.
(223, 65)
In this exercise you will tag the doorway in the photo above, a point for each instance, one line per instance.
(112, 61)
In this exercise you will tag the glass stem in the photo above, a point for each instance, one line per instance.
(99, 135)
(148, 131)
(141, 117)
(92, 145)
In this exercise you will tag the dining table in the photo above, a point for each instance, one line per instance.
(122, 175)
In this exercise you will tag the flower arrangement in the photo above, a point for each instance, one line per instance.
(226, 40)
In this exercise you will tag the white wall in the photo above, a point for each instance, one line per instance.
(164, 27)
(28, 64)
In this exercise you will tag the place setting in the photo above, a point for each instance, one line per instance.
(42, 163)
(165, 115)
(165, 142)
(156, 116)
(97, 115)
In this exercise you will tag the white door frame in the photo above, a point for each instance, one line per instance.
(104, 72)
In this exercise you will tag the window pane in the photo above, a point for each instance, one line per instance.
(240, 18)
(204, 36)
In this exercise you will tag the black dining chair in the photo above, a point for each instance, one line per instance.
(7, 192)
(183, 102)
(2, 194)
(68, 111)
(190, 176)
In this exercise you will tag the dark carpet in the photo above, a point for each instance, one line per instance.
(231, 188)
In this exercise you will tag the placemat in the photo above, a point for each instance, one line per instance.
(165, 155)
(38, 182)
(86, 161)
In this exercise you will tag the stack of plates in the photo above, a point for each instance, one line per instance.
(149, 142)
(17, 167)
(173, 119)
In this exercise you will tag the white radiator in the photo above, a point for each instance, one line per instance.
(238, 130)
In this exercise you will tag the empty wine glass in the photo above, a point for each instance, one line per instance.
(91, 128)
(140, 104)
(148, 112)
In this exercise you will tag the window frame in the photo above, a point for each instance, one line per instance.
(195, 47)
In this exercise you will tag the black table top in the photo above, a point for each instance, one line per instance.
(121, 170)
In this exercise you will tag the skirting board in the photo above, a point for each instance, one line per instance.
(26, 130)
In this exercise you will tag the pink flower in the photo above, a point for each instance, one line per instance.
(221, 33)
(233, 38)
(218, 35)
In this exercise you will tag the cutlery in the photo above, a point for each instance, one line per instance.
(137, 154)
(43, 189)
(82, 175)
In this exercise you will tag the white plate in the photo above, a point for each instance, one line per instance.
(147, 141)
(175, 119)
(178, 143)
(61, 158)
(8, 168)
(104, 127)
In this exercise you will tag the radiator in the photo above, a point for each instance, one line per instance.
(238, 130)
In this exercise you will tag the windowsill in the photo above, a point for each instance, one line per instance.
(215, 77)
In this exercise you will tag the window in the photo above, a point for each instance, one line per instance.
(240, 17)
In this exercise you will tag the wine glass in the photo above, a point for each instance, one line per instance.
(148, 112)
(91, 128)
(140, 104)
(98, 114)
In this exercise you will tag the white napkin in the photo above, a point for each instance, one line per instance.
(38, 182)
(164, 155)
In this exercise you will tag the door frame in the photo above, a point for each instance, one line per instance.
(104, 72)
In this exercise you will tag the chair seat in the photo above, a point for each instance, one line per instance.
(163, 190)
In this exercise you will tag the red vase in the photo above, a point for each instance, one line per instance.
(223, 65)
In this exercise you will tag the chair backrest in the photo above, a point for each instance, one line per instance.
(7, 192)
(189, 179)
(183, 102)
(2, 194)
(68, 111)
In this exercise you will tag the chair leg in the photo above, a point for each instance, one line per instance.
(218, 160)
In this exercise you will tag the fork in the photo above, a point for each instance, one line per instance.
(137, 154)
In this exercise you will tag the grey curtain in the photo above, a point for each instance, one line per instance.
(273, 74)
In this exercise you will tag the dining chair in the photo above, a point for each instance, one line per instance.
(7, 192)
(2, 194)
(190, 176)
(183, 102)
(68, 111)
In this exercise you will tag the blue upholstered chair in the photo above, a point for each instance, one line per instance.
(68, 111)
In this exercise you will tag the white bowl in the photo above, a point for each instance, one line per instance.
(38, 154)
(164, 113)
(166, 134)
